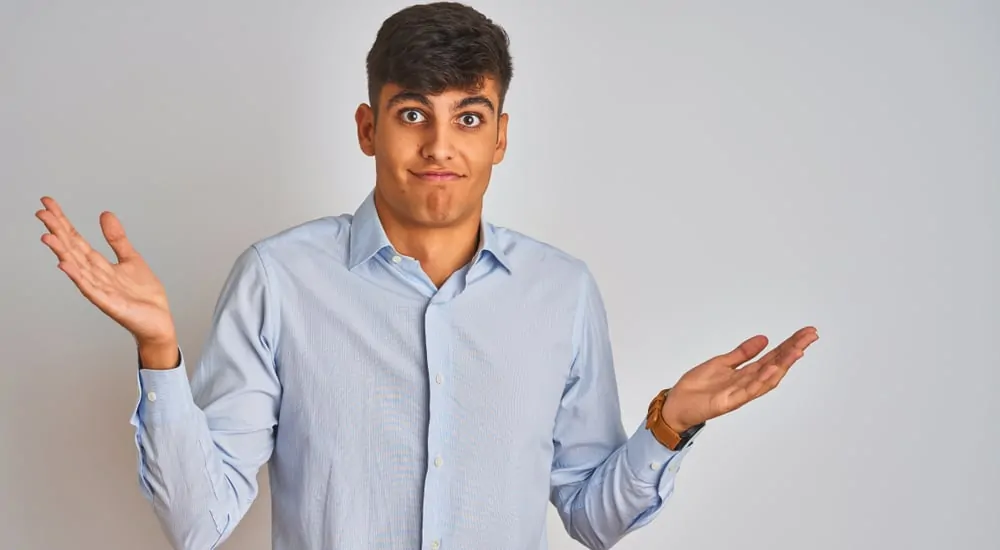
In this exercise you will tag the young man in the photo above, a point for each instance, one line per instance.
(415, 376)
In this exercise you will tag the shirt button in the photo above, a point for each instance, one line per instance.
(654, 465)
(396, 259)
(438, 462)
(439, 379)
(673, 469)
(151, 396)
(435, 545)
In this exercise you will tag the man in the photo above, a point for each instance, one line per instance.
(414, 376)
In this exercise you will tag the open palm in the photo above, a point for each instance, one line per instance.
(723, 384)
(126, 291)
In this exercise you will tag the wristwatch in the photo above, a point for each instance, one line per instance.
(664, 433)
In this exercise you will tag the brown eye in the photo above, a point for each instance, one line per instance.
(470, 120)
(412, 116)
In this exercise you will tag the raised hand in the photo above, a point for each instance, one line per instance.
(126, 291)
(720, 385)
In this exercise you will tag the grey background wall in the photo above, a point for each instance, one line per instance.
(726, 169)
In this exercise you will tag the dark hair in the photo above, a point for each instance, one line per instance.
(429, 48)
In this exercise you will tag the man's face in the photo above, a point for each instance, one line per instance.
(433, 153)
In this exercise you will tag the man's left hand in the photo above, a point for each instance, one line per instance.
(720, 385)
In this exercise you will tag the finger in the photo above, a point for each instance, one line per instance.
(788, 357)
(803, 337)
(806, 340)
(766, 380)
(55, 226)
(75, 246)
(795, 350)
(92, 271)
(58, 225)
(761, 377)
(744, 352)
(51, 205)
(62, 224)
(799, 340)
(82, 274)
(86, 267)
(57, 247)
(59, 240)
(115, 235)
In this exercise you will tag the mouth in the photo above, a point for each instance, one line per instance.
(436, 175)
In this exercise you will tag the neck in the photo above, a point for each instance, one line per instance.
(441, 251)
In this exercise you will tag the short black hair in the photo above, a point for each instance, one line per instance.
(430, 48)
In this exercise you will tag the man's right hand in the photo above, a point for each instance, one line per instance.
(127, 291)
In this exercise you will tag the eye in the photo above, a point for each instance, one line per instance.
(470, 120)
(412, 116)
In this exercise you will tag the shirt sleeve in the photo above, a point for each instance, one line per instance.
(604, 484)
(201, 442)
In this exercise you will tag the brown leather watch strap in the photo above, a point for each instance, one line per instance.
(659, 428)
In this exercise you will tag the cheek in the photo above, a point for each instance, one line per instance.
(480, 150)
(394, 154)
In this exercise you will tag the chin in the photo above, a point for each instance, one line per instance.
(438, 220)
(432, 204)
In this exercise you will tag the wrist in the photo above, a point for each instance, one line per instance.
(672, 418)
(659, 418)
(675, 423)
(159, 355)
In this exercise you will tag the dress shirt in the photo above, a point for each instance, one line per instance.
(393, 414)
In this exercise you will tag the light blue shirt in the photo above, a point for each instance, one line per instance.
(396, 415)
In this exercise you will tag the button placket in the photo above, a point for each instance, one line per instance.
(437, 329)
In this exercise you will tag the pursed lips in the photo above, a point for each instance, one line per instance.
(436, 175)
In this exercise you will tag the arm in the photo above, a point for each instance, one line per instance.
(201, 444)
(604, 485)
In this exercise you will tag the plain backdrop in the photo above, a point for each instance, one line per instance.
(726, 169)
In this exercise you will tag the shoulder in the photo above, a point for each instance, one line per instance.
(543, 260)
(327, 237)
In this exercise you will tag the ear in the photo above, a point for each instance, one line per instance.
(364, 116)
(501, 148)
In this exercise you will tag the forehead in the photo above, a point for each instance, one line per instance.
(489, 88)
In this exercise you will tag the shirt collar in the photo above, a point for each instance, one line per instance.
(489, 243)
(368, 237)
(367, 234)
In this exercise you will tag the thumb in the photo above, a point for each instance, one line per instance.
(115, 235)
(745, 351)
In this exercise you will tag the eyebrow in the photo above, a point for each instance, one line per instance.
(422, 99)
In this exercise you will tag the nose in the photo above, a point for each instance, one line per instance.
(438, 144)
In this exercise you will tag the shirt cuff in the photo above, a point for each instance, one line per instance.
(648, 458)
(164, 394)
